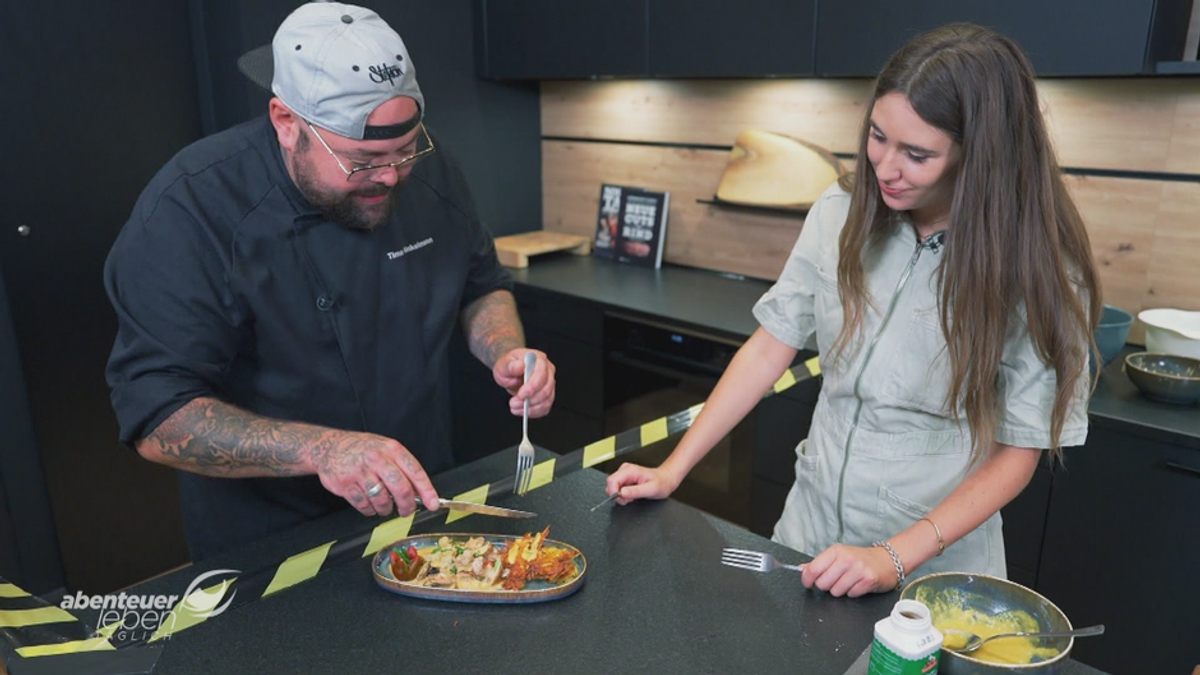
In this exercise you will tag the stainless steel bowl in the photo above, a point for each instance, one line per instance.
(992, 596)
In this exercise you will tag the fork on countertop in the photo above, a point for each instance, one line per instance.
(756, 561)
(525, 451)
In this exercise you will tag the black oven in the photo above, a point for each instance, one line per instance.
(652, 370)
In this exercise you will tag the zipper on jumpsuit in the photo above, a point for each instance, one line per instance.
(932, 241)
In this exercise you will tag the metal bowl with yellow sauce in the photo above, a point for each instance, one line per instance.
(986, 605)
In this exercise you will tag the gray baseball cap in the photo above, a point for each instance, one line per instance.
(333, 65)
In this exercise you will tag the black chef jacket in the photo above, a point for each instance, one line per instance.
(228, 284)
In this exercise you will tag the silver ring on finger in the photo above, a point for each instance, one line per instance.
(374, 489)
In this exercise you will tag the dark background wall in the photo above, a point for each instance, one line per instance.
(110, 94)
(119, 88)
(28, 548)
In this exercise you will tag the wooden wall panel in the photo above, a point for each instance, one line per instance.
(1175, 260)
(1121, 217)
(706, 112)
(1113, 124)
(698, 235)
(1142, 124)
(1145, 233)
(1130, 232)
(1184, 156)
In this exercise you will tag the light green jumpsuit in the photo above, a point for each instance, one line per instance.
(883, 451)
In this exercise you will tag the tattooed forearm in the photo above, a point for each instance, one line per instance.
(213, 438)
(492, 326)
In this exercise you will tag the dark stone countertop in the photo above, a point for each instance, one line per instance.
(721, 304)
(710, 301)
(1117, 404)
(655, 600)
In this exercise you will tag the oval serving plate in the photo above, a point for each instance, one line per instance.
(534, 591)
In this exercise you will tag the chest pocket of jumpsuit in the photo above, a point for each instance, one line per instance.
(919, 377)
(828, 310)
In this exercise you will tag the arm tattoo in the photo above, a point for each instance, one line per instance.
(213, 438)
(492, 327)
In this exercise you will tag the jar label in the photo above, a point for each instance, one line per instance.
(884, 661)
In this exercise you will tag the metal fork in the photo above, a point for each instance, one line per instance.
(756, 561)
(525, 450)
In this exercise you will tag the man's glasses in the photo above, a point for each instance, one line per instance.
(423, 149)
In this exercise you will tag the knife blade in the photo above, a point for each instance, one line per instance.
(484, 509)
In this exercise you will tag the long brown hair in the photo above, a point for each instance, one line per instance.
(1015, 240)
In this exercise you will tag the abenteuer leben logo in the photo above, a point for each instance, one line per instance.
(130, 617)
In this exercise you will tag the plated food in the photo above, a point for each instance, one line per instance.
(481, 567)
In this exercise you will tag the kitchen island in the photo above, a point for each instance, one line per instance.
(655, 600)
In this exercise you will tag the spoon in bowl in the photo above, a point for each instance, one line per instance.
(970, 641)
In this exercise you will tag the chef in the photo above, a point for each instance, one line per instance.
(287, 289)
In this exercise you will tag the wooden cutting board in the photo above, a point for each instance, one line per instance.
(515, 250)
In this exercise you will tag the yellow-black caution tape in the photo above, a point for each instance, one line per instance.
(305, 565)
(31, 627)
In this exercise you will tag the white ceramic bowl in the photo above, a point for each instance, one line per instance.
(1172, 331)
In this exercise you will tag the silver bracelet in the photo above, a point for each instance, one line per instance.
(895, 561)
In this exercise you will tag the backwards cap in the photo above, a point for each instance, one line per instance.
(333, 65)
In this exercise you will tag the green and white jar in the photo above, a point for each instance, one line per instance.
(906, 643)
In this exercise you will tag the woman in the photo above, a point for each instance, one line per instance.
(950, 289)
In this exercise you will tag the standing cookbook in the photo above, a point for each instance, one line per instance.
(632, 225)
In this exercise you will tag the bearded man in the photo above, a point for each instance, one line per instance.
(287, 290)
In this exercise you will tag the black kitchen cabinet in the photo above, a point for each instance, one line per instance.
(1121, 548)
(780, 423)
(545, 40)
(579, 370)
(539, 39)
(767, 498)
(546, 312)
(731, 38)
(1062, 38)
(29, 554)
(1024, 525)
(570, 333)
(479, 415)
(110, 93)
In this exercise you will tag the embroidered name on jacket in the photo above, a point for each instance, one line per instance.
(392, 255)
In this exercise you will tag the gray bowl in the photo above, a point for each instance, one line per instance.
(992, 596)
(1165, 377)
(1111, 332)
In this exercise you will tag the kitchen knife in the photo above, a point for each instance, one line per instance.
(484, 509)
